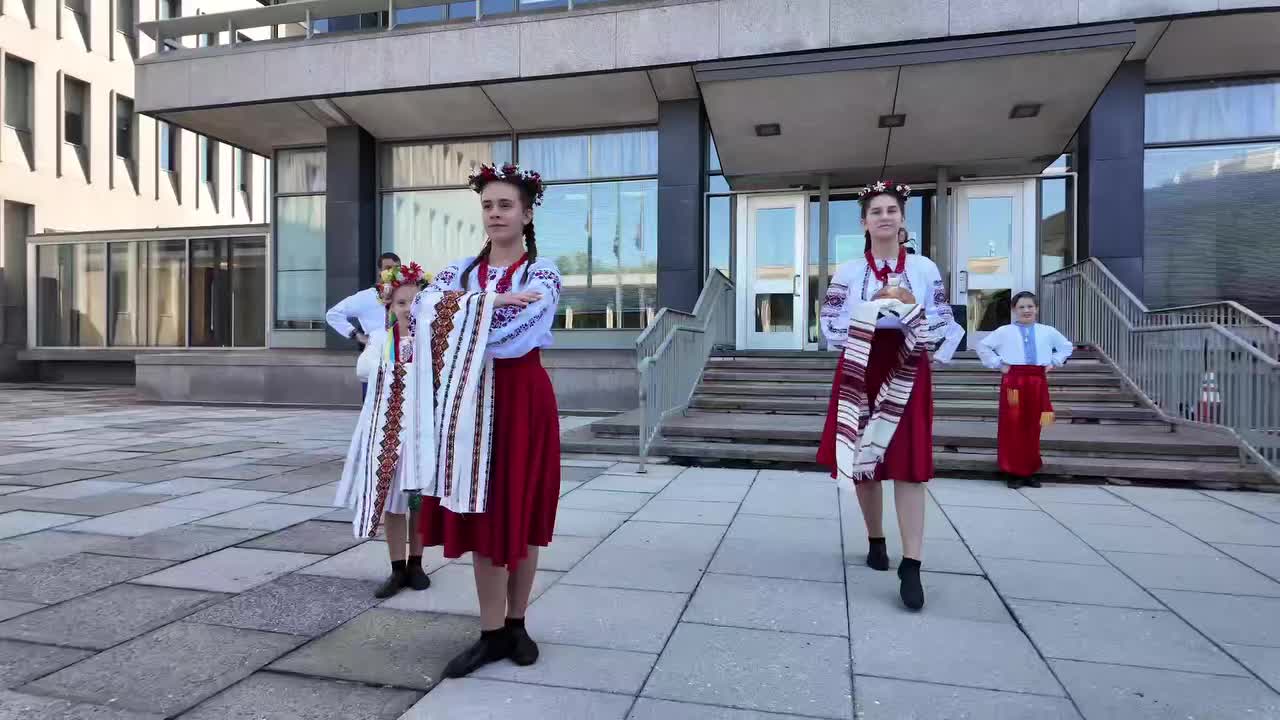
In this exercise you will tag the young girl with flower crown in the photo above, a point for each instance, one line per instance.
(524, 470)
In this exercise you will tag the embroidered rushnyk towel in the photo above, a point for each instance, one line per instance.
(864, 426)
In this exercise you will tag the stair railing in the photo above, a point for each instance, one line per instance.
(1215, 364)
(673, 351)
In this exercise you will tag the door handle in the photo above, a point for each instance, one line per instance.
(795, 285)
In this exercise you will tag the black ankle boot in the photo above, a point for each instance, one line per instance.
(878, 555)
(912, 591)
(393, 583)
(524, 651)
(1032, 482)
(492, 646)
(414, 576)
(1013, 481)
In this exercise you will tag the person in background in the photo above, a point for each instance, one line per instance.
(369, 311)
(1024, 351)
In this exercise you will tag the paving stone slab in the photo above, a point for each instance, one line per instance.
(33, 707)
(247, 471)
(994, 656)
(1263, 661)
(182, 486)
(591, 479)
(1068, 583)
(99, 505)
(267, 516)
(649, 556)
(606, 500)
(979, 493)
(272, 695)
(1073, 515)
(1134, 693)
(106, 618)
(567, 487)
(781, 547)
(117, 466)
(1065, 493)
(13, 608)
(653, 709)
(307, 605)
(754, 670)
(292, 481)
(1216, 575)
(1222, 523)
(167, 670)
(159, 473)
(710, 488)
(342, 515)
(687, 511)
(180, 543)
(874, 597)
(8, 489)
(1123, 636)
(369, 561)
(386, 647)
(453, 591)
(988, 532)
(793, 498)
(58, 476)
(38, 547)
(498, 700)
(139, 521)
(565, 551)
(221, 500)
(801, 606)
(22, 662)
(1257, 502)
(319, 496)
(588, 523)
(611, 618)
(659, 470)
(887, 699)
(1263, 559)
(313, 536)
(584, 474)
(619, 671)
(21, 522)
(1241, 619)
(231, 570)
(58, 580)
(1154, 540)
(78, 489)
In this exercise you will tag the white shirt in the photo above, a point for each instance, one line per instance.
(366, 308)
(515, 331)
(854, 283)
(1007, 346)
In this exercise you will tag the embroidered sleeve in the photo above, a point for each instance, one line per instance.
(834, 316)
(942, 329)
(445, 280)
(518, 330)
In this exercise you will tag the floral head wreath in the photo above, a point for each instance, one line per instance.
(399, 276)
(885, 187)
(530, 182)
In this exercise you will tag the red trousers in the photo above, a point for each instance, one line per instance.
(1025, 409)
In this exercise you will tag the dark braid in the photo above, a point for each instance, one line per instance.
(483, 256)
(531, 247)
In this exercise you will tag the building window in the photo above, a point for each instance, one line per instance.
(71, 293)
(244, 170)
(169, 148)
(75, 6)
(299, 225)
(209, 160)
(228, 287)
(719, 213)
(75, 111)
(208, 40)
(17, 93)
(170, 9)
(124, 128)
(125, 15)
(146, 293)
(1211, 193)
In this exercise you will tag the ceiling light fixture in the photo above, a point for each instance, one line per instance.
(1023, 111)
(893, 121)
(768, 130)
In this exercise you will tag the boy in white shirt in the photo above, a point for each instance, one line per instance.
(367, 309)
(1023, 351)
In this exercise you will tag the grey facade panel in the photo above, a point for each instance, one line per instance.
(351, 243)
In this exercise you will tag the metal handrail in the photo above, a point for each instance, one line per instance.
(670, 372)
(1212, 364)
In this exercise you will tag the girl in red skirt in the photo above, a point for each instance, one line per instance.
(880, 416)
(524, 479)
(1024, 352)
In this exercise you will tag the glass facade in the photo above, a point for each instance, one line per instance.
(140, 294)
(1211, 193)
(299, 224)
(597, 221)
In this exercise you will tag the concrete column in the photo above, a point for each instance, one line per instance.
(1111, 168)
(681, 173)
(351, 243)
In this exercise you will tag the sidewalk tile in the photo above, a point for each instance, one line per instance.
(271, 695)
(1134, 693)
(497, 700)
(885, 699)
(637, 620)
(767, 604)
(231, 570)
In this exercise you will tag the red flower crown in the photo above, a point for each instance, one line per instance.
(530, 182)
(397, 277)
(882, 187)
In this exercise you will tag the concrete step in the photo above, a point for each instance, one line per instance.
(981, 409)
(1079, 354)
(941, 390)
(983, 377)
(816, 404)
(829, 363)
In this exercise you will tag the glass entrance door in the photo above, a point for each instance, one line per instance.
(991, 254)
(771, 247)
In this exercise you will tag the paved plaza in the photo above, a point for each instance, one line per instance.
(165, 561)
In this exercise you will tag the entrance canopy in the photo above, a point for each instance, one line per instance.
(984, 106)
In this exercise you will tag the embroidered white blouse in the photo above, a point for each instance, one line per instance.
(514, 331)
(365, 307)
(1016, 344)
(854, 282)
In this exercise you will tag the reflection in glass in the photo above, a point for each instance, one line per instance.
(988, 309)
(121, 288)
(164, 274)
(433, 227)
(209, 294)
(300, 261)
(774, 312)
(438, 164)
(301, 171)
(1057, 227)
(1213, 111)
(719, 234)
(775, 244)
(248, 292)
(71, 293)
(626, 153)
(989, 240)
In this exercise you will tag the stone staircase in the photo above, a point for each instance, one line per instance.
(769, 408)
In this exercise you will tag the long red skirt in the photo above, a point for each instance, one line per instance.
(524, 475)
(1025, 409)
(909, 457)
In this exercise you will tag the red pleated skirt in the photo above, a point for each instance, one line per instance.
(909, 457)
(524, 474)
(1025, 409)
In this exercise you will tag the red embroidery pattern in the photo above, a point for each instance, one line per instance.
(390, 455)
(441, 326)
